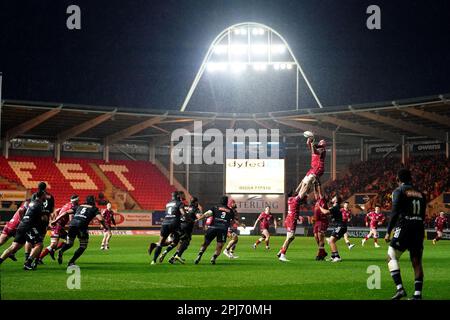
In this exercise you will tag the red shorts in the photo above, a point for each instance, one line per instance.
(108, 228)
(439, 229)
(9, 232)
(58, 231)
(264, 227)
(290, 224)
(317, 172)
(320, 226)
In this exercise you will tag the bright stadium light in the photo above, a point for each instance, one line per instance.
(259, 48)
(241, 45)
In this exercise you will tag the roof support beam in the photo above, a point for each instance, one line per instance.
(128, 132)
(77, 130)
(370, 131)
(441, 119)
(317, 130)
(404, 125)
(32, 123)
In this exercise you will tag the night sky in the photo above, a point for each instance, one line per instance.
(144, 54)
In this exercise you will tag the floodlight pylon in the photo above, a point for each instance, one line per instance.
(237, 29)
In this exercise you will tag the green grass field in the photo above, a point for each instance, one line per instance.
(124, 272)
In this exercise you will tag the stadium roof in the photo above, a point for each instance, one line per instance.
(426, 118)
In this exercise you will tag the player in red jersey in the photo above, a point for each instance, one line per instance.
(290, 223)
(265, 219)
(108, 217)
(347, 217)
(311, 181)
(62, 216)
(320, 226)
(376, 219)
(9, 231)
(439, 225)
(233, 233)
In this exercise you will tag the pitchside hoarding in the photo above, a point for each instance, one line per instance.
(257, 203)
(255, 176)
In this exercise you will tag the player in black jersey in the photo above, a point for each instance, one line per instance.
(49, 207)
(222, 215)
(29, 230)
(340, 227)
(407, 221)
(170, 224)
(187, 226)
(78, 227)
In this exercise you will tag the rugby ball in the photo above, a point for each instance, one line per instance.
(308, 134)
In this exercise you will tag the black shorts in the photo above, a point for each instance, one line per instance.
(168, 229)
(408, 238)
(81, 233)
(28, 234)
(186, 230)
(339, 232)
(212, 233)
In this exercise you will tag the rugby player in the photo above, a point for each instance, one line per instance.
(58, 225)
(29, 230)
(407, 222)
(170, 225)
(223, 215)
(108, 217)
(347, 217)
(9, 231)
(311, 181)
(78, 228)
(265, 219)
(233, 233)
(340, 226)
(320, 226)
(376, 219)
(439, 225)
(290, 223)
(193, 212)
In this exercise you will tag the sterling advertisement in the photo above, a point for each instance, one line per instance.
(257, 203)
(255, 176)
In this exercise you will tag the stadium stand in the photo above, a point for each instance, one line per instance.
(146, 184)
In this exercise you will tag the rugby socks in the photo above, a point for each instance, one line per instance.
(169, 248)
(418, 284)
(283, 250)
(77, 254)
(375, 240)
(27, 254)
(258, 241)
(60, 245)
(45, 252)
(397, 277)
(335, 255)
(157, 252)
(348, 244)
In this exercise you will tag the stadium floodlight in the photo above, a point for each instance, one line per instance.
(221, 49)
(259, 49)
(262, 46)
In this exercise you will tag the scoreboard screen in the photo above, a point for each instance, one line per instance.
(254, 176)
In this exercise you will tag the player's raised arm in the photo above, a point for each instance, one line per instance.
(205, 215)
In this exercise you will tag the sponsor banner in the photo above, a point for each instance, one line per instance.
(385, 149)
(257, 203)
(126, 232)
(364, 197)
(431, 234)
(132, 220)
(254, 176)
(299, 231)
(81, 147)
(158, 217)
(30, 145)
(428, 147)
(12, 195)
